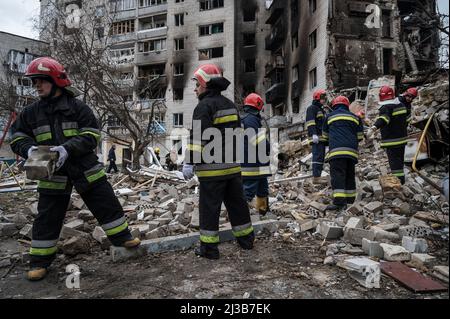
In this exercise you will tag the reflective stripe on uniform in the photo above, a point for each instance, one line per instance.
(44, 137)
(43, 247)
(342, 193)
(243, 230)
(398, 173)
(90, 131)
(116, 226)
(219, 172)
(56, 182)
(319, 115)
(256, 171)
(339, 117)
(70, 128)
(360, 136)
(18, 136)
(399, 111)
(195, 146)
(342, 151)
(394, 142)
(225, 116)
(310, 123)
(94, 174)
(257, 139)
(209, 236)
(384, 117)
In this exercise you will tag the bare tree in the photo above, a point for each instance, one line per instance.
(82, 42)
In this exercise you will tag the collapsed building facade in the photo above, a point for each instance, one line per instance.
(341, 45)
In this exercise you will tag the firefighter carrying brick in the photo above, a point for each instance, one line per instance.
(343, 130)
(315, 115)
(60, 120)
(393, 123)
(255, 169)
(220, 179)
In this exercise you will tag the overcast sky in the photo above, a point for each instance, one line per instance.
(16, 16)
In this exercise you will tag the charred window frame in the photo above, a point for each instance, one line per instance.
(312, 39)
(179, 44)
(313, 78)
(249, 65)
(211, 53)
(178, 95)
(294, 41)
(178, 69)
(249, 39)
(312, 6)
(249, 15)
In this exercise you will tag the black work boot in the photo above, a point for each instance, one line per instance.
(207, 251)
(246, 242)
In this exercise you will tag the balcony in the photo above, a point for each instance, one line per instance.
(152, 9)
(152, 33)
(153, 57)
(276, 63)
(276, 10)
(158, 104)
(160, 81)
(157, 128)
(276, 37)
(123, 15)
(276, 93)
(127, 37)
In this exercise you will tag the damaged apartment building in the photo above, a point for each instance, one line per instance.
(339, 45)
(168, 40)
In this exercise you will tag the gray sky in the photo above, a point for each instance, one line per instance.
(16, 16)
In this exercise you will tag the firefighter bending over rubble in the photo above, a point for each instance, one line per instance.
(220, 180)
(69, 125)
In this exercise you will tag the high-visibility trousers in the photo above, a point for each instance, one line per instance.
(212, 195)
(343, 183)
(396, 157)
(100, 200)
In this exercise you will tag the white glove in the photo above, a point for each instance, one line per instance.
(371, 132)
(188, 171)
(62, 155)
(315, 139)
(30, 150)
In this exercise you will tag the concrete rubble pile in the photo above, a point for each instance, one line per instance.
(387, 222)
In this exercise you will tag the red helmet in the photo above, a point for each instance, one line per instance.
(412, 92)
(48, 67)
(319, 94)
(254, 100)
(206, 72)
(387, 93)
(340, 100)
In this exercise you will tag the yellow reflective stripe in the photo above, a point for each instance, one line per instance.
(97, 136)
(43, 137)
(256, 173)
(345, 118)
(393, 143)
(343, 153)
(226, 119)
(96, 176)
(220, 172)
(344, 195)
(398, 174)
(385, 118)
(310, 123)
(243, 232)
(400, 112)
(259, 138)
(195, 147)
(319, 115)
(17, 139)
(209, 239)
(51, 185)
(117, 229)
(70, 132)
(43, 251)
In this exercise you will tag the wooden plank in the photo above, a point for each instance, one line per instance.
(432, 217)
(413, 280)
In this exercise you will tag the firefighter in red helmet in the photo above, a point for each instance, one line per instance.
(69, 125)
(342, 130)
(393, 123)
(220, 178)
(315, 115)
(256, 161)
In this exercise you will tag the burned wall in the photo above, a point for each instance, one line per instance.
(364, 42)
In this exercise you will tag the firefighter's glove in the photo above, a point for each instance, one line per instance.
(62, 155)
(31, 150)
(315, 139)
(188, 171)
(371, 133)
